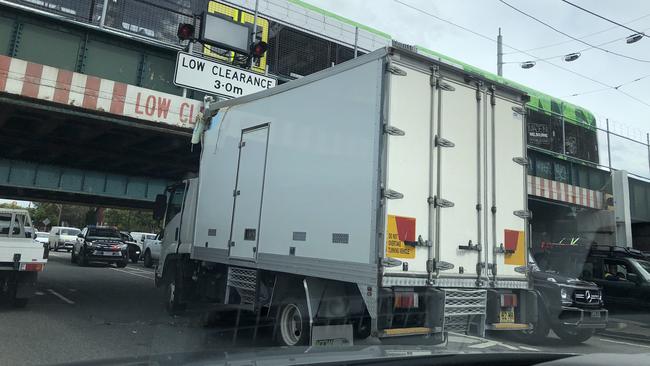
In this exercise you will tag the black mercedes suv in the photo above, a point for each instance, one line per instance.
(100, 244)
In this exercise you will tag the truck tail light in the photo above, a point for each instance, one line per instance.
(406, 300)
(32, 267)
(508, 300)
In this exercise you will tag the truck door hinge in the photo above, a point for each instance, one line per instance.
(396, 70)
(523, 214)
(443, 142)
(520, 160)
(393, 131)
(434, 265)
(517, 109)
(235, 193)
(390, 262)
(441, 202)
(392, 195)
(471, 246)
(445, 86)
(242, 144)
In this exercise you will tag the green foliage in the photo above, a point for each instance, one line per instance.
(131, 220)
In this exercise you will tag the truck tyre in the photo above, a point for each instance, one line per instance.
(173, 297)
(17, 302)
(293, 323)
(573, 336)
(148, 262)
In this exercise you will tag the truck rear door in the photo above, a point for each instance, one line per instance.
(507, 196)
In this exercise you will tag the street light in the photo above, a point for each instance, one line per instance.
(634, 38)
(528, 64)
(571, 57)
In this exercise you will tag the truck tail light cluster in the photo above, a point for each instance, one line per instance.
(406, 300)
(32, 267)
(509, 301)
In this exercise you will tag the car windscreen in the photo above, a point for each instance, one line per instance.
(73, 232)
(96, 233)
(645, 267)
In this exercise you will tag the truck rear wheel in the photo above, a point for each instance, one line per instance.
(173, 299)
(293, 323)
(539, 332)
(573, 335)
(17, 302)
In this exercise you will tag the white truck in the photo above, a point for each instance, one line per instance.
(385, 196)
(21, 257)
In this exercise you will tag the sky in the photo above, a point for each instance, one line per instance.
(626, 115)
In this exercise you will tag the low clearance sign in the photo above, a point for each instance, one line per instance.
(216, 78)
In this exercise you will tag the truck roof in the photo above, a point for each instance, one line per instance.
(14, 210)
(377, 54)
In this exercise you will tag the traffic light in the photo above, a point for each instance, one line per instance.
(258, 49)
(185, 31)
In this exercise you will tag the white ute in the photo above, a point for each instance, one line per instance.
(384, 196)
(21, 257)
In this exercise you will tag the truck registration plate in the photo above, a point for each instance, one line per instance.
(507, 316)
(595, 314)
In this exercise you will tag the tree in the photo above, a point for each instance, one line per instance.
(131, 220)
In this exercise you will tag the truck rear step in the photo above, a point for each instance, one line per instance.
(465, 311)
(406, 331)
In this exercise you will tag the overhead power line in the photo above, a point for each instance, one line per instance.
(561, 55)
(581, 37)
(607, 86)
(572, 37)
(604, 89)
(604, 18)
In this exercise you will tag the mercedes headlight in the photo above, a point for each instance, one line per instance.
(564, 294)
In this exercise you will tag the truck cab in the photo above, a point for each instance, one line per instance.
(21, 257)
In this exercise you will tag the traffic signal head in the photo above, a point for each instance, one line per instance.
(185, 31)
(258, 49)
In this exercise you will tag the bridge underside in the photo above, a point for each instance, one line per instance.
(55, 152)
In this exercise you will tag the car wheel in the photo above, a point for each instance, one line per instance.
(573, 335)
(122, 264)
(292, 323)
(73, 258)
(539, 332)
(148, 261)
(134, 259)
(173, 302)
(81, 260)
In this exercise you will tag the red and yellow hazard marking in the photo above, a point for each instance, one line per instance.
(400, 229)
(515, 245)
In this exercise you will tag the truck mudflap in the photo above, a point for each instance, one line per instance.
(511, 309)
(405, 311)
(583, 318)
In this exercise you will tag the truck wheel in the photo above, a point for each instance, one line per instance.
(573, 336)
(293, 323)
(362, 328)
(17, 302)
(148, 262)
(173, 298)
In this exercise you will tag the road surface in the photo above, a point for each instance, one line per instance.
(102, 312)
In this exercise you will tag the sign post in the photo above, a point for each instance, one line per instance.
(217, 78)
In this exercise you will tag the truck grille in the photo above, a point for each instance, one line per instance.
(586, 297)
(464, 308)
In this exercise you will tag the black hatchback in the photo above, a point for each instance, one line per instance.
(100, 244)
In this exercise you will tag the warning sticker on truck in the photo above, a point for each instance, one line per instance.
(514, 244)
(400, 230)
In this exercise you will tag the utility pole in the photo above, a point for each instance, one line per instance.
(499, 54)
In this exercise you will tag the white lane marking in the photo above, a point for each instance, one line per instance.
(137, 270)
(625, 343)
(529, 348)
(484, 344)
(514, 348)
(39, 293)
(132, 274)
(60, 296)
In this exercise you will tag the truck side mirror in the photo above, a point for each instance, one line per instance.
(159, 207)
